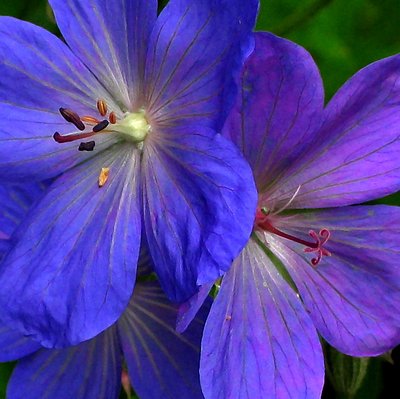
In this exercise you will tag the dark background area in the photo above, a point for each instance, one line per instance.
(343, 36)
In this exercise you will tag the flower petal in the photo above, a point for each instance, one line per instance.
(91, 370)
(195, 50)
(353, 296)
(110, 37)
(39, 74)
(355, 156)
(15, 200)
(200, 199)
(82, 244)
(161, 362)
(259, 341)
(14, 345)
(278, 109)
(188, 310)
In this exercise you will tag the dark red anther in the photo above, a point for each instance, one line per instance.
(72, 137)
(101, 126)
(72, 117)
(86, 146)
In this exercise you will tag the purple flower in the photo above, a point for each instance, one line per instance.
(334, 271)
(125, 117)
(161, 363)
(144, 339)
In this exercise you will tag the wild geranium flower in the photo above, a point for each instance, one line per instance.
(161, 362)
(125, 116)
(334, 271)
(143, 339)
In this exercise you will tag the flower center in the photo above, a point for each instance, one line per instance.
(263, 223)
(133, 126)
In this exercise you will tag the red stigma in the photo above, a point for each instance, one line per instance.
(263, 223)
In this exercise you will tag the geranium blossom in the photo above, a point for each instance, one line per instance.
(143, 340)
(334, 271)
(125, 116)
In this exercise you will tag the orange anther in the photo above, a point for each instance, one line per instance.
(112, 118)
(102, 107)
(103, 177)
(90, 119)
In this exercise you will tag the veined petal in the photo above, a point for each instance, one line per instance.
(90, 370)
(110, 37)
(15, 200)
(188, 310)
(259, 341)
(199, 206)
(353, 296)
(39, 74)
(161, 362)
(355, 156)
(72, 270)
(278, 109)
(13, 345)
(195, 50)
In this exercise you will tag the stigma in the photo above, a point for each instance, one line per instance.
(263, 222)
(132, 126)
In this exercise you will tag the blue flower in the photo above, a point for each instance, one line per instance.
(143, 339)
(124, 117)
(308, 272)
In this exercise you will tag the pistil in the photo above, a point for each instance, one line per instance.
(263, 223)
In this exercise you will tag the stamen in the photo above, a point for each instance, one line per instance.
(90, 119)
(88, 146)
(72, 137)
(101, 126)
(263, 223)
(102, 107)
(72, 117)
(288, 203)
(103, 177)
(112, 118)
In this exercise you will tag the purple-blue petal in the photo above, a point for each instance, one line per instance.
(72, 270)
(15, 200)
(188, 310)
(39, 74)
(259, 341)
(90, 370)
(354, 156)
(110, 37)
(278, 109)
(352, 296)
(195, 51)
(199, 206)
(13, 345)
(161, 362)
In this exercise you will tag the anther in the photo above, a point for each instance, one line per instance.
(72, 137)
(112, 118)
(101, 126)
(88, 146)
(103, 176)
(102, 107)
(90, 119)
(72, 117)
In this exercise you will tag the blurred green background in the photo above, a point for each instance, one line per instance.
(343, 36)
